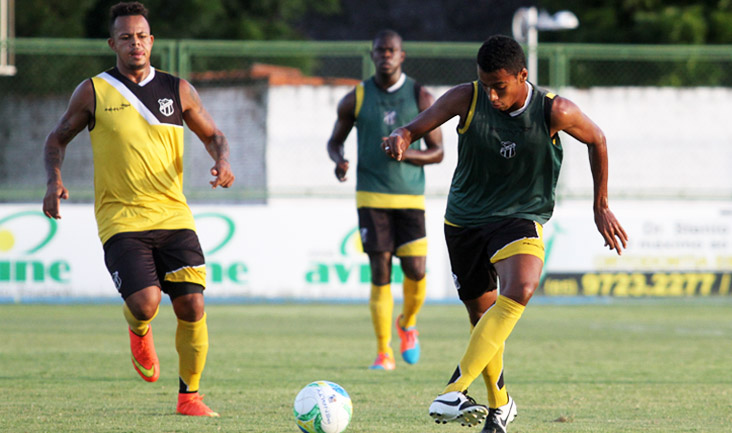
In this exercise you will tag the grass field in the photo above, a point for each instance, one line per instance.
(643, 366)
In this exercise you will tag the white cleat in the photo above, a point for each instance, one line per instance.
(498, 419)
(457, 407)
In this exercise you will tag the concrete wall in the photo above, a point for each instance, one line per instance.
(663, 142)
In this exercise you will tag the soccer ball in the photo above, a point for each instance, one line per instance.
(323, 407)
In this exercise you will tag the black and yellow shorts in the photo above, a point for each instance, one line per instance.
(474, 250)
(169, 259)
(399, 231)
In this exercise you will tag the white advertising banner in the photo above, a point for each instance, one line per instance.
(309, 249)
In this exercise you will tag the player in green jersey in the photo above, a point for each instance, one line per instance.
(389, 193)
(503, 190)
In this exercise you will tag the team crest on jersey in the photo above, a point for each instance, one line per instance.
(390, 117)
(508, 149)
(166, 106)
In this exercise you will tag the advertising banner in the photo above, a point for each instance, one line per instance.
(309, 249)
(675, 249)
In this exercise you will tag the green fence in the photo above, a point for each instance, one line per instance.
(49, 69)
(55, 65)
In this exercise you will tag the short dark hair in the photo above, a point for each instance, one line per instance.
(124, 9)
(384, 34)
(501, 52)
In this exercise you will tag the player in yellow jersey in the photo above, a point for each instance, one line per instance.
(135, 115)
(389, 194)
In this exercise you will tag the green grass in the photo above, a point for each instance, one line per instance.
(622, 367)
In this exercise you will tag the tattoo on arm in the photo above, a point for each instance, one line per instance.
(64, 132)
(218, 147)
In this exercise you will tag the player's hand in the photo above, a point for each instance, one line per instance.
(52, 200)
(341, 169)
(394, 145)
(223, 175)
(611, 230)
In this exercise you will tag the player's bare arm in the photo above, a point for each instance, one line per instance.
(203, 125)
(567, 117)
(433, 140)
(344, 123)
(455, 102)
(77, 116)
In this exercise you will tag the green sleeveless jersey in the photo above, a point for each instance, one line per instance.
(382, 181)
(507, 166)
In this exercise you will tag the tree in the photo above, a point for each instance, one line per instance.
(646, 21)
(173, 19)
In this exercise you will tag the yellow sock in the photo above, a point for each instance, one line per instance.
(139, 327)
(486, 339)
(493, 377)
(414, 295)
(381, 305)
(191, 342)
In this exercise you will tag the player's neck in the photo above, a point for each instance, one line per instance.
(390, 83)
(387, 81)
(135, 75)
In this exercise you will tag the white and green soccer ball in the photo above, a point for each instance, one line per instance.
(323, 407)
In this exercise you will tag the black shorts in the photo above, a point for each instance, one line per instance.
(169, 259)
(398, 231)
(474, 250)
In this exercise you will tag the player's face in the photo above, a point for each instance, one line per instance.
(132, 41)
(387, 55)
(506, 91)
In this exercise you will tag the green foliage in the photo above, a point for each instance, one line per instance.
(638, 366)
(648, 22)
(645, 21)
(172, 19)
(51, 18)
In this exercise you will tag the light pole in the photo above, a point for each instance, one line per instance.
(526, 25)
(7, 31)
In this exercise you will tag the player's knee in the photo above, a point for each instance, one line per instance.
(189, 307)
(144, 303)
(414, 268)
(414, 274)
(521, 292)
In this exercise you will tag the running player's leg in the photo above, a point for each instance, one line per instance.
(519, 276)
(139, 309)
(493, 373)
(415, 292)
(377, 239)
(191, 342)
(182, 269)
(411, 237)
(381, 306)
(501, 407)
(129, 259)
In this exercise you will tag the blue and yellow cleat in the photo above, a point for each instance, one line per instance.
(409, 342)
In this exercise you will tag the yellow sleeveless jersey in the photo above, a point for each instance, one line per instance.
(137, 143)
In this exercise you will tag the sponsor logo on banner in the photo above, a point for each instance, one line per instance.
(675, 257)
(216, 230)
(348, 266)
(637, 284)
(22, 236)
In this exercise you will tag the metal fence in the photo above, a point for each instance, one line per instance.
(55, 65)
(49, 69)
